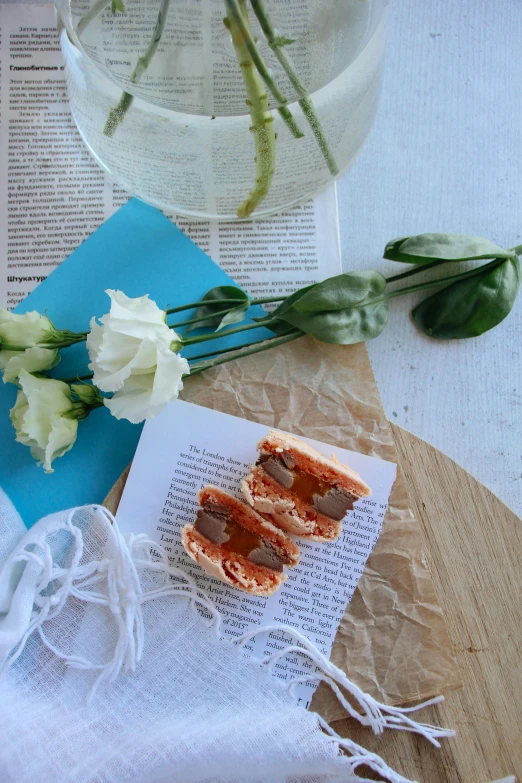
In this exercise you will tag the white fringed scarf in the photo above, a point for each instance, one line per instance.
(114, 669)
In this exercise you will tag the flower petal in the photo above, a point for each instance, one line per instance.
(47, 400)
(32, 360)
(140, 308)
(25, 329)
(168, 378)
(61, 439)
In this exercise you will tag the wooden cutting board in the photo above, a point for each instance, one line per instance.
(474, 548)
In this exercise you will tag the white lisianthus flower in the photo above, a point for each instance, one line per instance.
(25, 332)
(45, 417)
(132, 355)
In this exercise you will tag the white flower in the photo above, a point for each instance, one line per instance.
(45, 417)
(26, 331)
(131, 356)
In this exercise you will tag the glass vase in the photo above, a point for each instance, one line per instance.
(211, 115)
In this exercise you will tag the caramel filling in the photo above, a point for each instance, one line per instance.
(240, 541)
(305, 486)
(215, 523)
(330, 500)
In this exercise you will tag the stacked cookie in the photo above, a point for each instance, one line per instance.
(293, 489)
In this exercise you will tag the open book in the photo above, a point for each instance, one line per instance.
(188, 446)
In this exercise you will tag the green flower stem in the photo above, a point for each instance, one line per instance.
(217, 335)
(268, 344)
(77, 378)
(238, 14)
(432, 264)
(430, 284)
(201, 319)
(117, 115)
(192, 305)
(305, 102)
(96, 8)
(204, 318)
(416, 270)
(268, 300)
(229, 350)
(257, 100)
(451, 279)
(62, 344)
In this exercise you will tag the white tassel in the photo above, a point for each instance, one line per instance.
(376, 715)
(359, 757)
(119, 590)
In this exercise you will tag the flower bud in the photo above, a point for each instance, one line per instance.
(25, 332)
(45, 417)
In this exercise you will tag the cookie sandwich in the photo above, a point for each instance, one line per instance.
(233, 543)
(300, 490)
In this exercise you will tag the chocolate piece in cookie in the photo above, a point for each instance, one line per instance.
(299, 489)
(233, 543)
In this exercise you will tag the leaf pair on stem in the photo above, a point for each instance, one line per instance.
(353, 307)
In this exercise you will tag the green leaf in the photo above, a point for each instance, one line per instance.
(424, 248)
(220, 292)
(280, 40)
(470, 307)
(234, 316)
(117, 5)
(340, 292)
(281, 327)
(346, 309)
(288, 302)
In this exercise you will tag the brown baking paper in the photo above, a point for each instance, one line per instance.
(392, 640)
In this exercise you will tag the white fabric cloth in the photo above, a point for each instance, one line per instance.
(79, 606)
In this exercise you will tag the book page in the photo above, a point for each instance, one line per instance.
(53, 194)
(187, 447)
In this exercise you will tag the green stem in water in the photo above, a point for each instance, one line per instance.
(257, 100)
(277, 44)
(117, 115)
(273, 343)
(240, 17)
(96, 8)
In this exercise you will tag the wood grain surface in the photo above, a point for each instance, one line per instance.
(474, 547)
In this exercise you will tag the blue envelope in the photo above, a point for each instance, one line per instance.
(138, 251)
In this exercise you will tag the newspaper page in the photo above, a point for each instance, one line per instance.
(184, 449)
(53, 194)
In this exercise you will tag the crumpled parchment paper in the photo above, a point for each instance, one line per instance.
(392, 640)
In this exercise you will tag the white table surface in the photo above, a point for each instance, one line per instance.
(445, 155)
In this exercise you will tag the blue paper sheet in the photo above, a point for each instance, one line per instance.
(138, 251)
